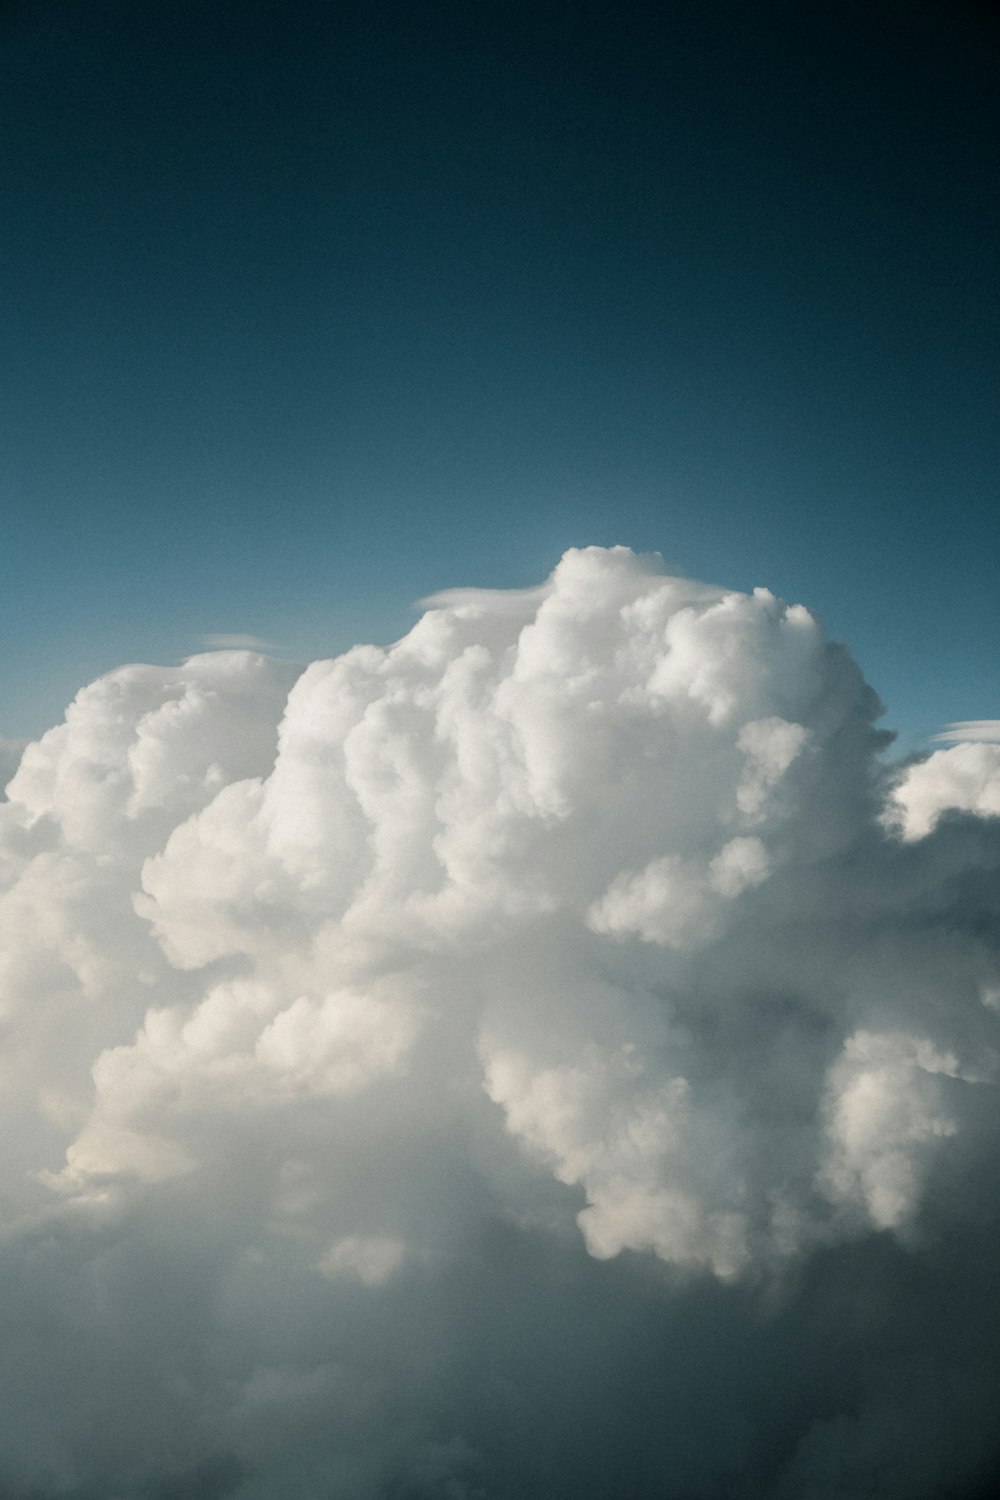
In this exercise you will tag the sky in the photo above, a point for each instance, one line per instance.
(488, 1011)
(311, 310)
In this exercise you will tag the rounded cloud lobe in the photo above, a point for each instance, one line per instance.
(554, 1055)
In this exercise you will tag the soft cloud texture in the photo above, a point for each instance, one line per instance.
(554, 1055)
(965, 778)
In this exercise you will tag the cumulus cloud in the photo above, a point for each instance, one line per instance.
(561, 1034)
(965, 778)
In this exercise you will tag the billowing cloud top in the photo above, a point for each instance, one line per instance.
(375, 1030)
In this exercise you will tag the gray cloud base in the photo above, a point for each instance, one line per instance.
(556, 1055)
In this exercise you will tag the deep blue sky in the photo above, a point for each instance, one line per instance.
(310, 309)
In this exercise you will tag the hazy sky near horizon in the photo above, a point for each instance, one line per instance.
(312, 309)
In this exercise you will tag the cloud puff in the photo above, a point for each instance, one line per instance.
(965, 778)
(579, 962)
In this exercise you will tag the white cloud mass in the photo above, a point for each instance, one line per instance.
(554, 1055)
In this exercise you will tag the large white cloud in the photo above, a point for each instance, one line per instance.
(592, 914)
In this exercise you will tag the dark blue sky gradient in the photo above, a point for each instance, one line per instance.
(310, 309)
